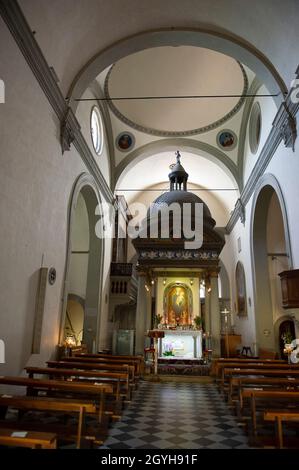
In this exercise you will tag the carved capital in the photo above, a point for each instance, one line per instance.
(287, 125)
(67, 136)
(289, 132)
(241, 211)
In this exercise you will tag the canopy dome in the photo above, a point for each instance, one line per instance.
(178, 178)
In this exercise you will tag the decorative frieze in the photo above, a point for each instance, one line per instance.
(178, 255)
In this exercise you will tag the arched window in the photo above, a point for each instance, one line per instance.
(241, 303)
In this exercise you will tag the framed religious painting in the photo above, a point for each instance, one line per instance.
(241, 304)
(125, 141)
(226, 139)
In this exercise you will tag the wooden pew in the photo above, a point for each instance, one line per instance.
(274, 370)
(50, 405)
(32, 439)
(116, 379)
(251, 365)
(272, 382)
(99, 360)
(219, 363)
(96, 366)
(266, 395)
(278, 416)
(97, 391)
(124, 358)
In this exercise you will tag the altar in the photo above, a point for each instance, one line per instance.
(178, 343)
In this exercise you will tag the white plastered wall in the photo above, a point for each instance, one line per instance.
(36, 183)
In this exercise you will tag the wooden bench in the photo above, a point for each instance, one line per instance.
(271, 382)
(95, 391)
(279, 370)
(32, 439)
(101, 360)
(266, 395)
(116, 379)
(139, 359)
(278, 416)
(218, 364)
(125, 368)
(50, 405)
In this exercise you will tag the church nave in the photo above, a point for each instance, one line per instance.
(177, 415)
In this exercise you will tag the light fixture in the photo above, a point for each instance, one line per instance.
(152, 282)
(146, 287)
(164, 281)
(191, 281)
(209, 289)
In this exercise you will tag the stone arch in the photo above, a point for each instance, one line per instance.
(86, 186)
(207, 36)
(267, 186)
(277, 325)
(194, 146)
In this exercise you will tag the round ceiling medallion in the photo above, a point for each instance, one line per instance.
(125, 141)
(226, 139)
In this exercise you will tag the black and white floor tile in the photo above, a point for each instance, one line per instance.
(171, 415)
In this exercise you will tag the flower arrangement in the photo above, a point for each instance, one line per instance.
(168, 349)
(157, 320)
(287, 337)
(198, 321)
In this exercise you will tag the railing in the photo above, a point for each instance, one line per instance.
(121, 269)
(122, 281)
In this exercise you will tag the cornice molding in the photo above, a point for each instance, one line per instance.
(165, 133)
(283, 128)
(70, 131)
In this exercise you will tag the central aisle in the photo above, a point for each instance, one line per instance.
(179, 415)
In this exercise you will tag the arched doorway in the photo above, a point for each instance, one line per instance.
(271, 254)
(83, 280)
(286, 327)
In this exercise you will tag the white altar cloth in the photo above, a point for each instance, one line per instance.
(185, 344)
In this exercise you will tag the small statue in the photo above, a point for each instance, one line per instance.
(178, 157)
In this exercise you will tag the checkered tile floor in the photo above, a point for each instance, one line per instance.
(177, 416)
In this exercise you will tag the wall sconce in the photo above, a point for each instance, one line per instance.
(152, 282)
(164, 281)
(191, 281)
(146, 287)
(209, 289)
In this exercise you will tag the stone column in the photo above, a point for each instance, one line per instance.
(207, 306)
(215, 313)
(143, 313)
(194, 347)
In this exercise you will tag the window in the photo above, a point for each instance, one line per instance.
(241, 302)
(255, 127)
(96, 129)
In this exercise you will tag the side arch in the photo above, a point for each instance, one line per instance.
(85, 185)
(194, 146)
(262, 295)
